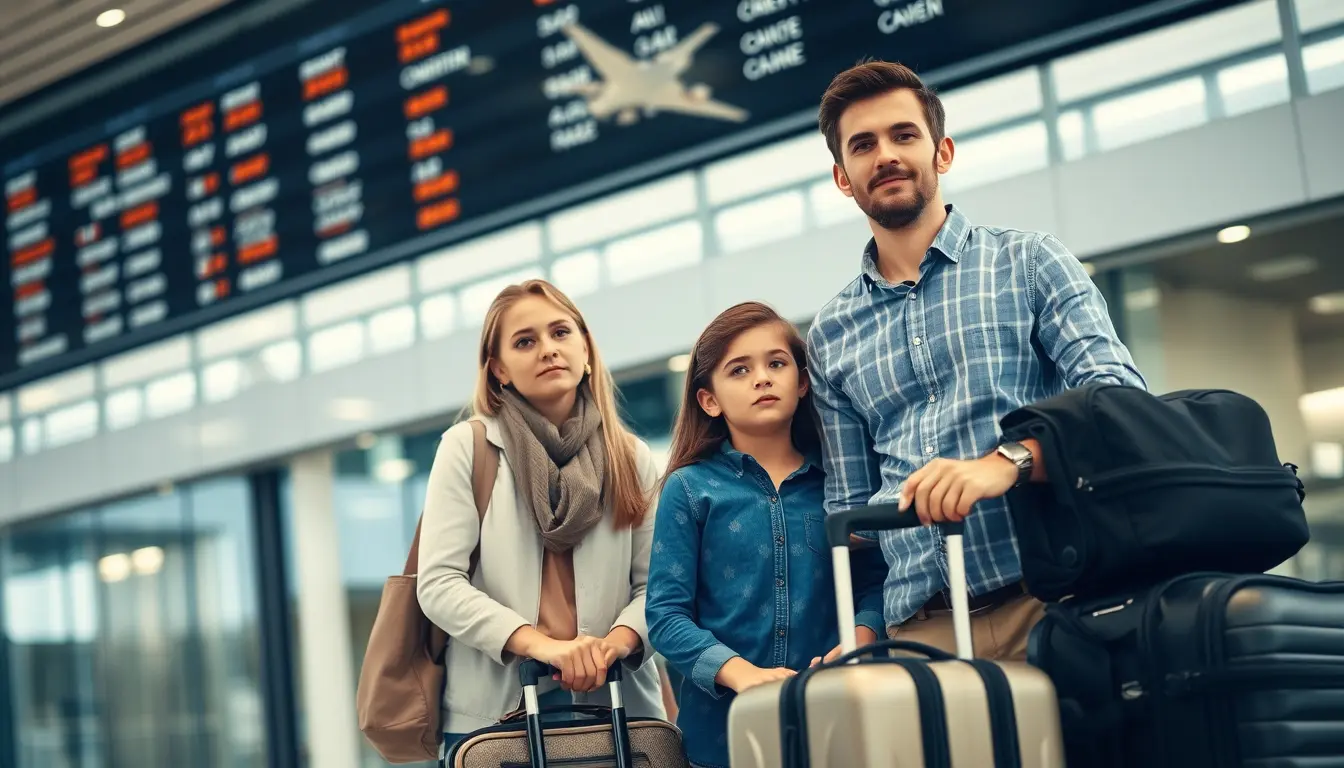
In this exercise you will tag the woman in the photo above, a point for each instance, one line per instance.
(564, 544)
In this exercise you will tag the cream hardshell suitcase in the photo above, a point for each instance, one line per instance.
(862, 711)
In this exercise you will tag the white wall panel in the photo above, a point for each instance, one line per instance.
(1321, 122)
(1195, 179)
(9, 488)
(265, 417)
(62, 477)
(375, 393)
(1198, 178)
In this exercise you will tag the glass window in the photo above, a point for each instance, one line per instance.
(626, 211)
(578, 274)
(1192, 320)
(993, 102)
(1254, 84)
(770, 219)
(999, 155)
(133, 633)
(1324, 64)
(830, 206)
(653, 253)
(1150, 113)
(1166, 51)
(787, 162)
(1318, 14)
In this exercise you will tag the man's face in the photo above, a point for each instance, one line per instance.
(891, 163)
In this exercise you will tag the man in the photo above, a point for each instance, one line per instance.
(949, 327)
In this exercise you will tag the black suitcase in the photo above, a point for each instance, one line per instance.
(1202, 671)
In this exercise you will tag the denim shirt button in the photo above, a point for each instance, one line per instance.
(779, 582)
(774, 499)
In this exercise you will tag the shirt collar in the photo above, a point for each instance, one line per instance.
(738, 460)
(949, 242)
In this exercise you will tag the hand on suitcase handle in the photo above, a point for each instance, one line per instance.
(531, 672)
(876, 517)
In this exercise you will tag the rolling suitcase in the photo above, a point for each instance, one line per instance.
(610, 739)
(940, 711)
(1205, 670)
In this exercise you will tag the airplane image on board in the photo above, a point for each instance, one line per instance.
(632, 86)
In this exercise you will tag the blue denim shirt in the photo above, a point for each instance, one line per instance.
(740, 569)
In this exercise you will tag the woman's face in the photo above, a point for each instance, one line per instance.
(542, 353)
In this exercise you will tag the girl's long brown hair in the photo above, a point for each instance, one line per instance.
(697, 435)
(629, 501)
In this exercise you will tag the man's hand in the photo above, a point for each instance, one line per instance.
(943, 490)
(864, 635)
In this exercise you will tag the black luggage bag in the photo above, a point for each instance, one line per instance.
(1201, 671)
(1145, 487)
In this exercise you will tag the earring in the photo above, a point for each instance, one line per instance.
(587, 369)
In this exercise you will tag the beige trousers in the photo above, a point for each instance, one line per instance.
(999, 634)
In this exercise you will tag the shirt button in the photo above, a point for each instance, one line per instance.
(781, 633)
(918, 341)
(774, 499)
(928, 449)
(912, 296)
(779, 582)
(779, 539)
(933, 398)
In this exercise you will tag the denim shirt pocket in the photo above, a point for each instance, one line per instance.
(814, 524)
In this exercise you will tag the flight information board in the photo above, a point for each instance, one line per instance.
(344, 147)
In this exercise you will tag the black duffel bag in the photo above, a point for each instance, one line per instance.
(1145, 487)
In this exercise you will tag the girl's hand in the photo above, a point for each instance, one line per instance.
(582, 662)
(864, 636)
(741, 675)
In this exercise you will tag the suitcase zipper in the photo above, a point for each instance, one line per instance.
(1144, 478)
(1279, 675)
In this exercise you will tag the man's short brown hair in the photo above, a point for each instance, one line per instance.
(874, 78)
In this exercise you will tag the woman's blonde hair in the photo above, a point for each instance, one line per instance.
(622, 486)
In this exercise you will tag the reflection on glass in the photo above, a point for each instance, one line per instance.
(133, 636)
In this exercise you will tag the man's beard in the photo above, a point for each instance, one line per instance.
(896, 214)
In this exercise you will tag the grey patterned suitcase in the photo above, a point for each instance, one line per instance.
(860, 711)
(609, 740)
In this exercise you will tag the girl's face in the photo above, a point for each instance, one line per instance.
(542, 352)
(757, 385)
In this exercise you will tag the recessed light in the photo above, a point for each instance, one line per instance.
(1327, 303)
(1234, 234)
(1282, 268)
(679, 363)
(110, 18)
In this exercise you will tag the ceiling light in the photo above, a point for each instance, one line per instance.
(394, 470)
(147, 560)
(111, 17)
(679, 363)
(1327, 303)
(1234, 234)
(1283, 268)
(366, 440)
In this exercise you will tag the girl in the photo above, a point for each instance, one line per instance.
(564, 544)
(740, 587)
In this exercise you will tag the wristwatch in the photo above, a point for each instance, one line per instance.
(1020, 455)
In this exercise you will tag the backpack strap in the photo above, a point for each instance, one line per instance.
(484, 470)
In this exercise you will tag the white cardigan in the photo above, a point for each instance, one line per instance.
(611, 568)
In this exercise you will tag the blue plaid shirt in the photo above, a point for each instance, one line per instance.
(903, 374)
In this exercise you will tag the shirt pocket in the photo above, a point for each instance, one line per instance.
(814, 526)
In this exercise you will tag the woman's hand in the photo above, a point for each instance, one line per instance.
(582, 661)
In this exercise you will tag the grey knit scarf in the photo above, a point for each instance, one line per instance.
(558, 470)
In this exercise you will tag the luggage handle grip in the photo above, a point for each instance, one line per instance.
(531, 672)
(876, 517)
(592, 710)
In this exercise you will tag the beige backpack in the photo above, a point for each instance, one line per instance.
(401, 681)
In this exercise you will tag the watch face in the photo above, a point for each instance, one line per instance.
(1015, 452)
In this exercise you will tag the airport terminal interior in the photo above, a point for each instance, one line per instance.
(196, 522)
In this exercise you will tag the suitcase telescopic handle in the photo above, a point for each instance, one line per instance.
(531, 672)
(888, 517)
(876, 517)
